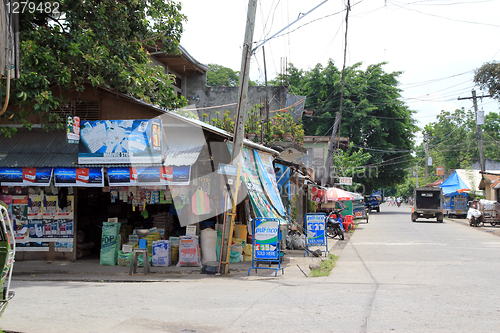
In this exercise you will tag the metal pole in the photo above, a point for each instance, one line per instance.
(426, 155)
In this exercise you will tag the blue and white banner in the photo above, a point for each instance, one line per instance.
(86, 177)
(120, 141)
(25, 176)
(149, 176)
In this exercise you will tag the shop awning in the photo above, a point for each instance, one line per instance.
(37, 148)
(182, 144)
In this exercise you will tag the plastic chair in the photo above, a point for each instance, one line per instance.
(348, 222)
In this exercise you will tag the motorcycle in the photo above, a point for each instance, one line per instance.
(334, 225)
(399, 203)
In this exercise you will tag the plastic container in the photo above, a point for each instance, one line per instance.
(174, 253)
(240, 231)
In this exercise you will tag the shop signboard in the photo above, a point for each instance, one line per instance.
(315, 230)
(149, 176)
(266, 243)
(265, 237)
(85, 177)
(25, 176)
(120, 141)
(227, 169)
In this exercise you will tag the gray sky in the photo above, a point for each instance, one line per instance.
(436, 43)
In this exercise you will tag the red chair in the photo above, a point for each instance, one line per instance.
(348, 222)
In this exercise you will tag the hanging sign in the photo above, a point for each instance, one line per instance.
(149, 176)
(344, 180)
(120, 141)
(85, 177)
(25, 176)
(73, 129)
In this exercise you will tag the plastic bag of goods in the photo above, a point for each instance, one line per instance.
(161, 253)
(247, 252)
(234, 256)
(208, 245)
(109, 243)
(152, 237)
(124, 258)
(189, 252)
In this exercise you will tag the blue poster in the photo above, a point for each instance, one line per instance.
(25, 176)
(315, 229)
(149, 176)
(266, 238)
(86, 177)
(120, 141)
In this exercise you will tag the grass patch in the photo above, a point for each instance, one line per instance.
(326, 266)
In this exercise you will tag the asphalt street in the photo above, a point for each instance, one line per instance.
(392, 275)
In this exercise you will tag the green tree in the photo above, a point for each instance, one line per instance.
(373, 116)
(488, 78)
(452, 141)
(220, 76)
(101, 43)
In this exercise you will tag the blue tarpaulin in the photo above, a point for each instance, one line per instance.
(454, 184)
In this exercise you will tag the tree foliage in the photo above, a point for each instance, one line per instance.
(453, 139)
(488, 78)
(373, 116)
(102, 43)
(220, 76)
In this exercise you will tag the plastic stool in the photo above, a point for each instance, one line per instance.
(348, 222)
(145, 261)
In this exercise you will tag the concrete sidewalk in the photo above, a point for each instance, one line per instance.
(90, 270)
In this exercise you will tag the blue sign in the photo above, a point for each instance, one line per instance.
(266, 245)
(120, 141)
(316, 230)
(227, 169)
(86, 177)
(25, 176)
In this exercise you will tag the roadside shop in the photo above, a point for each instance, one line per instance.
(153, 177)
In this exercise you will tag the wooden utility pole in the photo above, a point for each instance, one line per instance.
(239, 126)
(239, 131)
(479, 132)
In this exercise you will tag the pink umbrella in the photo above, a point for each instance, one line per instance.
(338, 194)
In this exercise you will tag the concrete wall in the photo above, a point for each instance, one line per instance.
(199, 94)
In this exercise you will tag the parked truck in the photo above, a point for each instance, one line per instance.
(427, 203)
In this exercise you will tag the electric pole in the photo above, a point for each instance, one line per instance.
(426, 155)
(239, 132)
(239, 126)
(479, 122)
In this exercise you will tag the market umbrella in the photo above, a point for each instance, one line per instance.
(337, 194)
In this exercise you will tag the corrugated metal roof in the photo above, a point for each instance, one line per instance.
(37, 148)
(182, 145)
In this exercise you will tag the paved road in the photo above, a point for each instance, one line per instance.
(393, 275)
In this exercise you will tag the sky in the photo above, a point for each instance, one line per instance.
(437, 44)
